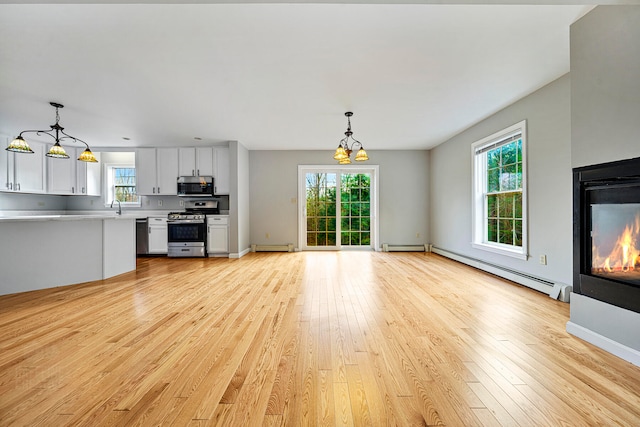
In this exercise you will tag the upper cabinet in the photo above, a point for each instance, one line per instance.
(157, 171)
(21, 172)
(71, 176)
(221, 177)
(195, 161)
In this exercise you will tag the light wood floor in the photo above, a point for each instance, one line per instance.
(304, 339)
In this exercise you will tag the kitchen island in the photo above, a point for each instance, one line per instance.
(46, 251)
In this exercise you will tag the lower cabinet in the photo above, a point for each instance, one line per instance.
(158, 238)
(217, 235)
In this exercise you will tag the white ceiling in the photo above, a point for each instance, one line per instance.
(273, 76)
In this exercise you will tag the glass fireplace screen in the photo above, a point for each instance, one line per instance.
(615, 242)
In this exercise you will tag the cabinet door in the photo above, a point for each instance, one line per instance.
(187, 162)
(94, 177)
(146, 171)
(167, 171)
(6, 167)
(81, 173)
(221, 175)
(204, 161)
(29, 170)
(61, 174)
(158, 236)
(217, 239)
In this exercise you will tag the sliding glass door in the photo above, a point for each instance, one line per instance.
(339, 208)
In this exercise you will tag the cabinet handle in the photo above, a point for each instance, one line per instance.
(18, 186)
(198, 172)
(83, 190)
(158, 190)
(73, 190)
(193, 172)
(154, 190)
(10, 185)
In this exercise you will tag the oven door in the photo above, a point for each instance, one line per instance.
(186, 238)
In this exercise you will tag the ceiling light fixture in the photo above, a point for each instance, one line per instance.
(343, 152)
(19, 145)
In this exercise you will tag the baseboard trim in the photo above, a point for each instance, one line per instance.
(540, 285)
(241, 254)
(622, 351)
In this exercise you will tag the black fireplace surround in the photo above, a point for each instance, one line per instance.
(607, 187)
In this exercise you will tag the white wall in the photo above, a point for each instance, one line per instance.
(274, 190)
(547, 112)
(239, 200)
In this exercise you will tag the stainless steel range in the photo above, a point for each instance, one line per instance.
(187, 230)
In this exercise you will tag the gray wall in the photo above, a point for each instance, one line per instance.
(31, 202)
(605, 85)
(605, 126)
(547, 112)
(274, 190)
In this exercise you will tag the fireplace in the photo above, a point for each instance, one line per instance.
(606, 236)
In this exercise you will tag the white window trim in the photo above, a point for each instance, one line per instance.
(478, 175)
(374, 210)
(108, 194)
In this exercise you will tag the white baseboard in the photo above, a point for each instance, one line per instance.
(541, 285)
(240, 255)
(622, 351)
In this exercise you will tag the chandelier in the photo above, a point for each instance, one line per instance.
(343, 152)
(19, 145)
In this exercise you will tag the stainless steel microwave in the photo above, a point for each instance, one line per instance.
(195, 186)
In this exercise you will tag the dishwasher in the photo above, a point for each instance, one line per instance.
(142, 236)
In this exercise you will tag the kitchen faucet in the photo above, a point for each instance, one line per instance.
(119, 206)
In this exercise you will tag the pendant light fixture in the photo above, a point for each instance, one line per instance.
(343, 152)
(19, 145)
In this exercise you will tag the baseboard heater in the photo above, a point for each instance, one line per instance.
(559, 291)
(272, 248)
(386, 247)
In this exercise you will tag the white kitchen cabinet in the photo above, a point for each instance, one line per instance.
(21, 172)
(93, 177)
(157, 171)
(221, 171)
(71, 176)
(61, 173)
(158, 236)
(195, 161)
(217, 235)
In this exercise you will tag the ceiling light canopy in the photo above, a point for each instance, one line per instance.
(19, 145)
(343, 152)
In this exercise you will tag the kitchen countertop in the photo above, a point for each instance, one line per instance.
(63, 217)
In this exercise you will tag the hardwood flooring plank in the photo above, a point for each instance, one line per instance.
(309, 338)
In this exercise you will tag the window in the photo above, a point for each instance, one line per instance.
(340, 209)
(499, 207)
(121, 185)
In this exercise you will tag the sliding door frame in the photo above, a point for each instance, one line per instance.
(373, 170)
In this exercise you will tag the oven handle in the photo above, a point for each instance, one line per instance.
(185, 221)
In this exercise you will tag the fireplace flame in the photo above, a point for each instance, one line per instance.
(625, 255)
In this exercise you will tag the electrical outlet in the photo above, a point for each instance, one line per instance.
(181, 202)
(543, 259)
(160, 202)
(267, 235)
(294, 200)
(418, 235)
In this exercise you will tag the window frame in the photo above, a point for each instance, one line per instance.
(109, 185)
(479, 192)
